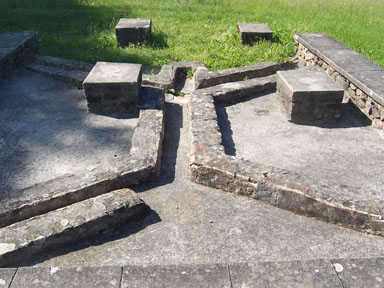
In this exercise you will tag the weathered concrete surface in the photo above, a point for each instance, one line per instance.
(360, 272)
(133, 31)
(70, 224)
(330, 150)
(55, 153)
(95, 277)
(6, 276)
(204, 78)
(176, 276)
(316, 273)
(113, 87)
(253, 32)
(306, 95)
(194, 224)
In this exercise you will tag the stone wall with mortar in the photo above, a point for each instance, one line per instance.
(370, 107)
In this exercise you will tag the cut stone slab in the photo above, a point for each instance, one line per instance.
(253, 32)
(176, 276)
(95, 277)
(360, 272)
(318, 273)
(133, 31)
(69, 224)
(113, 87)
(309, 95)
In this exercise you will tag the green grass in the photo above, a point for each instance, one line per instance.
(202, 30)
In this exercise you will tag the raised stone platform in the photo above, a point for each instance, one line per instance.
(15, 48)
(361, 78)
(308, 95)
(133, 31)
(306, 195)
(253, 32)
(113, 87)
(54, 153)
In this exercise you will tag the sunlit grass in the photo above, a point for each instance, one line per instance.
(203, 30)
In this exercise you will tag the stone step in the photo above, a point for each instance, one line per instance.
(15, 49)
(71, 77)
(240, 89)
(68, 224)
(63, 63)
(308, 273)
(205, 78)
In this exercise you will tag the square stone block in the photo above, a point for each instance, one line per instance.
(253, 32)
(133, 31)
(306, 95)
(113, 87)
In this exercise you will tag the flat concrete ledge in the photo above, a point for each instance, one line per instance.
(362, 79)
(68, 225)
(253, 32)
(16, 48)
(210, 166)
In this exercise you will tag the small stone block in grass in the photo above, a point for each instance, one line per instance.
(133, 31)
(253, 32)
(113, 87)
(306, 95)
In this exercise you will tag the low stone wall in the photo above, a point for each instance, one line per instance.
(371, 106)
(210, 166)
(16, 48)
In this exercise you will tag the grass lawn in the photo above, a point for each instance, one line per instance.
(203, 30)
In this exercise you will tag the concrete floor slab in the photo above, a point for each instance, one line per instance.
(102, 277)
(348, 152)
(317, 273)
(176, 276)
(360, 272)
(48, 139)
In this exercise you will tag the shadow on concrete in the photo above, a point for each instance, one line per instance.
(225, 129)
(351, 117)
(46, 134)
(109, 235)
(173, 124)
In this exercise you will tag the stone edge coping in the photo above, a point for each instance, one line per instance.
(205, 78)
(336, 272)
(63, 63)
(143, 165)
(135, 23)
(166, 78)
(210, 166)
(353, 77)
(11, 57)
(69, 224)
